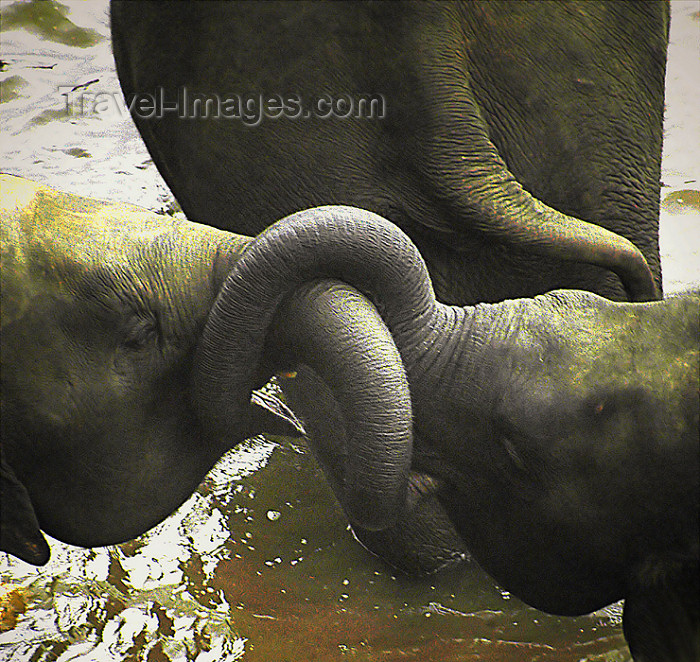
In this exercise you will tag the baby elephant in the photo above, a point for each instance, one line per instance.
(107, 375)
(555, 438)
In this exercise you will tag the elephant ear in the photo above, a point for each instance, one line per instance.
(19, 527)
(661, 618)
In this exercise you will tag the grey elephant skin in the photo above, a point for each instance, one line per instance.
(105, 425)
(503, 137)
(557, 436)
(512, 134)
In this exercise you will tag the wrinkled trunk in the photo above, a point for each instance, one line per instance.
(453, 151)
(336, 330)
(366, 374)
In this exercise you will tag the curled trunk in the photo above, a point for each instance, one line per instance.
(465, 171)
(327, 325)
(359, 248)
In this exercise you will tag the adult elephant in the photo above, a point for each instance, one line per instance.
(488, 131)
(557, 435)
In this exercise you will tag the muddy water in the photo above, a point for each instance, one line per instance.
(259, 564)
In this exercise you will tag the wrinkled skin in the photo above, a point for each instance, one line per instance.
(506, 125)
(572, 478)
(582, 478)
(498, 114)
(554, 437)
(103, 307)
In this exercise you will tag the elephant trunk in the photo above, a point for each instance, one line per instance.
(454, 151)
(332, 328)
(506, 211)
(364, 370)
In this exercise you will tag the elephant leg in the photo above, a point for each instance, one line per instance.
(662, 621)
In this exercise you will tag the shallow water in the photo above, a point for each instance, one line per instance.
(259, 564)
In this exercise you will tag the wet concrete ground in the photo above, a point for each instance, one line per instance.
(259, 563)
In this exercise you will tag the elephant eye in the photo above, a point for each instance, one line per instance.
(512, 453)
(140, 331)
(516, 456)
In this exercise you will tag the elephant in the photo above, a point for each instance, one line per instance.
(555, 435)
(517, 144)
(103, 307)
(532, 438)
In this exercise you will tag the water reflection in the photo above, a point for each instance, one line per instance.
(258, 564)
(259, 561)
(94, 154)
(149, 596)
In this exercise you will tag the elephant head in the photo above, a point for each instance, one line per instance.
(107, 425)
(555, 437)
